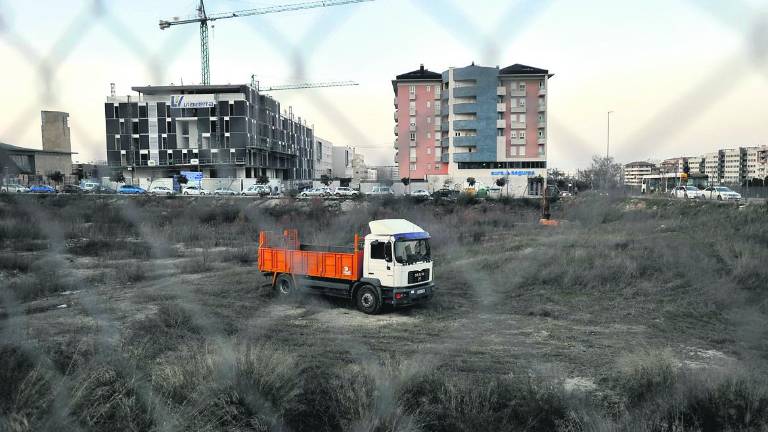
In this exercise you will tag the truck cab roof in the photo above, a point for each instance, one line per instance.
(398, 228)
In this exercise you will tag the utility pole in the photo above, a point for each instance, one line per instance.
(608, 141)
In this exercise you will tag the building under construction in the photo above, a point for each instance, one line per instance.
(223, 131)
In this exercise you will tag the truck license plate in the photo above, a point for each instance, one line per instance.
(421, 291)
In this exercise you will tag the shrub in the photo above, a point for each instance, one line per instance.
(25, 393)
(645, 375)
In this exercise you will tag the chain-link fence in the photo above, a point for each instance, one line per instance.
(488, 40)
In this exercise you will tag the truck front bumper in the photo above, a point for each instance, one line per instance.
(410, 295)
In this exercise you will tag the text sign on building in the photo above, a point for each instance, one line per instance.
(193, 101)
(513, 173)
(192, 175)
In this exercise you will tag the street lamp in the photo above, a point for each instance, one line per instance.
(608, 143)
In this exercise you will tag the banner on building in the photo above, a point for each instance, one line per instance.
(193, 101)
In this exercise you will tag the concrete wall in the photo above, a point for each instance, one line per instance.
(47, 163)
(55, 131)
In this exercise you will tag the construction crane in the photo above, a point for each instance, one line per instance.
(300, 86)
(204, 18)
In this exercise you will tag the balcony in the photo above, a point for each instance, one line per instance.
(465, 108)
(412, 96)
(412, 158)
(501, 124)
(412, 112)
(517, 109)
(412, 143)
(395, 102)
(465, 124)
(542, 140)
(438, 94)
(501, 91)
(395, 116)
(465, 141)
(517, 125)
(542, 107)
(465, 91)
(412, 128)
(517, 141)
(541, 124)
(444, 158)
(396, 145)
(501, 107)
(542, 92)
(437, 126)
(517, 93)
(396, 130)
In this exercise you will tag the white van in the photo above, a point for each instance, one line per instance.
(89, 186)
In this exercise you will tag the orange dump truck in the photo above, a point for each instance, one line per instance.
(391, 265)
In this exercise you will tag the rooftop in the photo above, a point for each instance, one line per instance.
(9, 147)
(521, 69)
(421, 74)
(640, 164)
(192, 89)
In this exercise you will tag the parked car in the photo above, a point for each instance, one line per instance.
(420, 194)
(721, 193)
(224, 191)
(381, 191)
(687, 192)
(70, 189)
(565, 194)
(195, 190)
(88, 186)
(99, 189)
(316, 192)
(160, 190)
(42, 189)
(14, 188)
(131, 190)
(256, 190)
(345, 191)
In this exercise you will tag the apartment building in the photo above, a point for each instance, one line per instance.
(220, 130)
(481, 122)
(756, 162)
(633, 172)
(323, 158)
(734, 161)
(713, 165)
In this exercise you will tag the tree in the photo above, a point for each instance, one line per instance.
(406, 181)
(501, 182)
(56, 177)
(325, 179)
(262, 179)
(471, 181)
(117, 177)
(603, 174)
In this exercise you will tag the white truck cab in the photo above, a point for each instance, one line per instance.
(397, 259)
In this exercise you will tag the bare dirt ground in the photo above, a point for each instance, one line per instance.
(568, 304)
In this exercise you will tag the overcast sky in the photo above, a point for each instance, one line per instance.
(683, 77)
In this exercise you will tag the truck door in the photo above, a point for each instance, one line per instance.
(379, 263)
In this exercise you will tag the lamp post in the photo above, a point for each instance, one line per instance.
(608, 140)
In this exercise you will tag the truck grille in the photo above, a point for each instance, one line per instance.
(417, 276)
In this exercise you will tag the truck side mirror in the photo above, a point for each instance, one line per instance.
(388, 252)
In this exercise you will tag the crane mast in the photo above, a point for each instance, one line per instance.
(203, 18)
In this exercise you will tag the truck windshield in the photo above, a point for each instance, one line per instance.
(412, 251)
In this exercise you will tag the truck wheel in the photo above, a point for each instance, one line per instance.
(368, 300)
(284, 285)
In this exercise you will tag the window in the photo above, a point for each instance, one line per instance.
(500, 132)
(213, 126)
(164, 143)
(413, 167)
(541, 150)
(437, 108)
(429, 119)
(521, 117)
(437, 166)
(513, 134)
(429, 104)
(541, 118)
(429, 150)
(521, 150)
(429, 90)
(412, 152)
(541, 84)
(513, 150)
(135, 127)
(458, 134)
(429, 135)
(412, 89)
(117, 142)
(522, 134)
(522, 86)
(500, 116)
(541, 133)
(521, 102)
(412, 105)
(413, 136)
(378, 250)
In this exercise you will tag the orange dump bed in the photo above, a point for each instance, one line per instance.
(284, 254)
